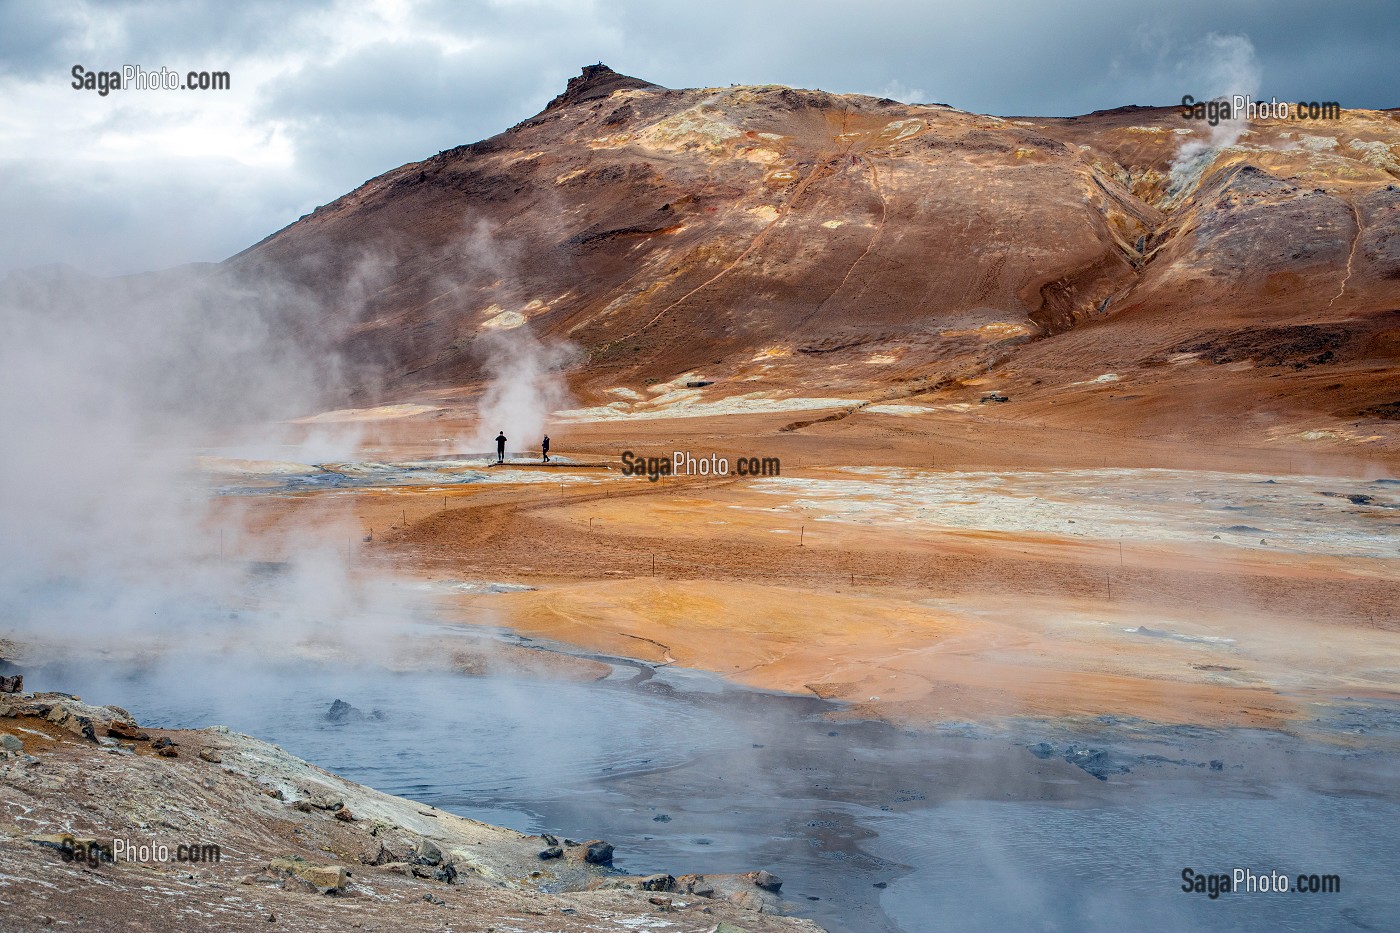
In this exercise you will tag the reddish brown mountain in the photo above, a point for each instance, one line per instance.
(777, 240)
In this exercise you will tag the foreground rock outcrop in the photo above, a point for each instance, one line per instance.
(106, 823)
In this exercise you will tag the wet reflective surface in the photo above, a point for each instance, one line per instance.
(871, 827)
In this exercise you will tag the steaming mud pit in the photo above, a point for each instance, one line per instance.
(1048, 684)
(1082, 825)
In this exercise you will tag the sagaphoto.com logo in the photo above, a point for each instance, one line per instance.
(136, 78)
(1242, 106)
(685, 463)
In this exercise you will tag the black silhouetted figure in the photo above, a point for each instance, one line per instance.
(544, 448)
(501, 447)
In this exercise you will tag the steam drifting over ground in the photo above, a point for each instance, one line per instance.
(526, 385)
(107, 530)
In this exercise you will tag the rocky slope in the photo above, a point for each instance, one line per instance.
(769, 239)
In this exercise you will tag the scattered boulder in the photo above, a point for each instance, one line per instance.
(1095, 761)
(427, 853)
(698, 885)
(74, 722)
(10, 743)
(551, 852)
(211, 755)
(324, 879)
(344, 815)
(13, 683)
(341, 711)
(661, 882)
(165, 747)
(121, 729)
(382, 855)
(765, 880)
(597, 852)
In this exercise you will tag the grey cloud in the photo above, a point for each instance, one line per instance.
(402, 98)
(112, 219)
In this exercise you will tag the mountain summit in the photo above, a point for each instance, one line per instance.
(777, 240)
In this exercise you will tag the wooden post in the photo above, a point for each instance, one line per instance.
(1108, 580)
(653, 563)
(802, 536)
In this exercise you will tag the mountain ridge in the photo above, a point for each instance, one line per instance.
(776, 237)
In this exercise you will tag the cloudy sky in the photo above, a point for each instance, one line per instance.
(326, 95)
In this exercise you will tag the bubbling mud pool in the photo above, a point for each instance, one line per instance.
(1045, 826)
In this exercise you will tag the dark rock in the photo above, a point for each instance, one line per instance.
(1042, 750)
(598, 852)
(549, 840)
(1217, 765)
(881, 885)
(1095, 761)
(551, 852)
(12, 684)
(341, 711)
(446, 873)
(344, 815)
(662, 882)
(81, 725)
(661, 818)
(765, 880)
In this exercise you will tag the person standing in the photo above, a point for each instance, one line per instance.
(501, 447)
(544, 448)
